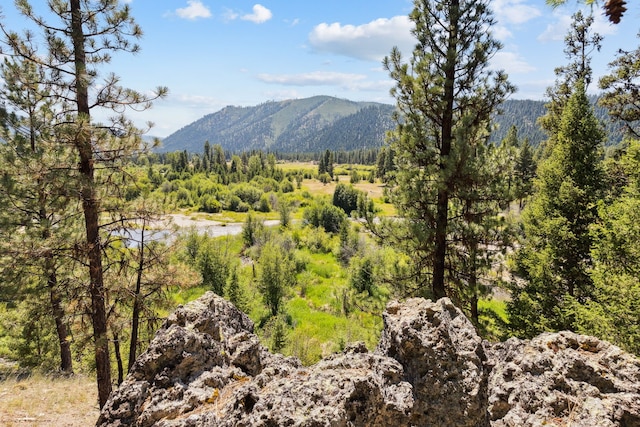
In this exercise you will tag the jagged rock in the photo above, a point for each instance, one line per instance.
(205, 367)
(563, 379)
(443, 360)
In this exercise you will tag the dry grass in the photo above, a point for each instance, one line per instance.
(375, 190)
(42, 401)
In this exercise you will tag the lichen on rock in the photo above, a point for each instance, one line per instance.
(205, 367)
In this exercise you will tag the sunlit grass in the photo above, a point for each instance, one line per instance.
(48, 401)
(493, 317)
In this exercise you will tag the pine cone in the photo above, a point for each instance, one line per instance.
(614, 9)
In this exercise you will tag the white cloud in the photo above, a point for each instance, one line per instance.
(260, 14)
(230, 15)
(292, 23)
(316, 78)
(345, 81)
(557, 30)
(511, 62)
(194, 11)
(371, 41)
(500, 32)
(514, 11)
(602, 26)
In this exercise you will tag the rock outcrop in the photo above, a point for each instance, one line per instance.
(205, 367)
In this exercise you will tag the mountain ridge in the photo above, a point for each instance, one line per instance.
(323, 122)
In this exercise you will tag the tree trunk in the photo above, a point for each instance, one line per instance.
(442, 215)
(66, 361)
(116, 350)
(137, 301)
(91, 208)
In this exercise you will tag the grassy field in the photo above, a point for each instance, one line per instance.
(48, 401)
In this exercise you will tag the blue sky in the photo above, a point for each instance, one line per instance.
(214, 53)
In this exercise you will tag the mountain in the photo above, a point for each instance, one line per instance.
(324, 123)
(301, 125)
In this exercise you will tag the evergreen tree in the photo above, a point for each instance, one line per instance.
(277, 275)
(83, 38)
(622, 90)
(234, 292)
(380, 163)
(38, 224)
(525, 171)
(554, 257)
(445, 97)
(580, 43)
(328, 162)
(613, 310)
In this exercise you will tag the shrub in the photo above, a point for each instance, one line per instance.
(346, 198)
(286, 186)
(322, 214)
(324, 178)
(263, 205)
(248, 193)
(210, 204)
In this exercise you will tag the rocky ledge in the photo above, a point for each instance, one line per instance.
(205, 367)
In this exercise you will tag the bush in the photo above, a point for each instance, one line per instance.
(248, 193)
(264, 205)
(324, 178)
(346, 198)
(317, 240)
(183, 198)
(322, 214)
(210, 204)
(286, 186)
(235, 204)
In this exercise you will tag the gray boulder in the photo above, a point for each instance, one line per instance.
(205, 367)
(563, 379)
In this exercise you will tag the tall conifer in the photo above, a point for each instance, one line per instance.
(445, 95)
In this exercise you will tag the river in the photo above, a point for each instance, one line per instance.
(162, 230)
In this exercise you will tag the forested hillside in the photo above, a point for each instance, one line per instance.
(301, 125)
(325, 123)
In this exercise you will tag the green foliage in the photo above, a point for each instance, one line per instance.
(324, 178)
(362, 276)
(277, 275)
(350, 244)
(251, 230)
(210, 204)
(247, 193)
(346, 197)
(316, 239)
(354, 177)
(213, 264)
(234, 291)
(322, 214)
(446, 96)
(613, 309)
(284, 210)
(554, 258)
(622, 90)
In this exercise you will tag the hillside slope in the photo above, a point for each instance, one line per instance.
(326, 123)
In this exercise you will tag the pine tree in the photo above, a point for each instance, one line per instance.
(277, 276)
(554, 258)
(37, 222)
(612, 311)
(445, 96)
(622, 90)
(580, 43)
(84, 37)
